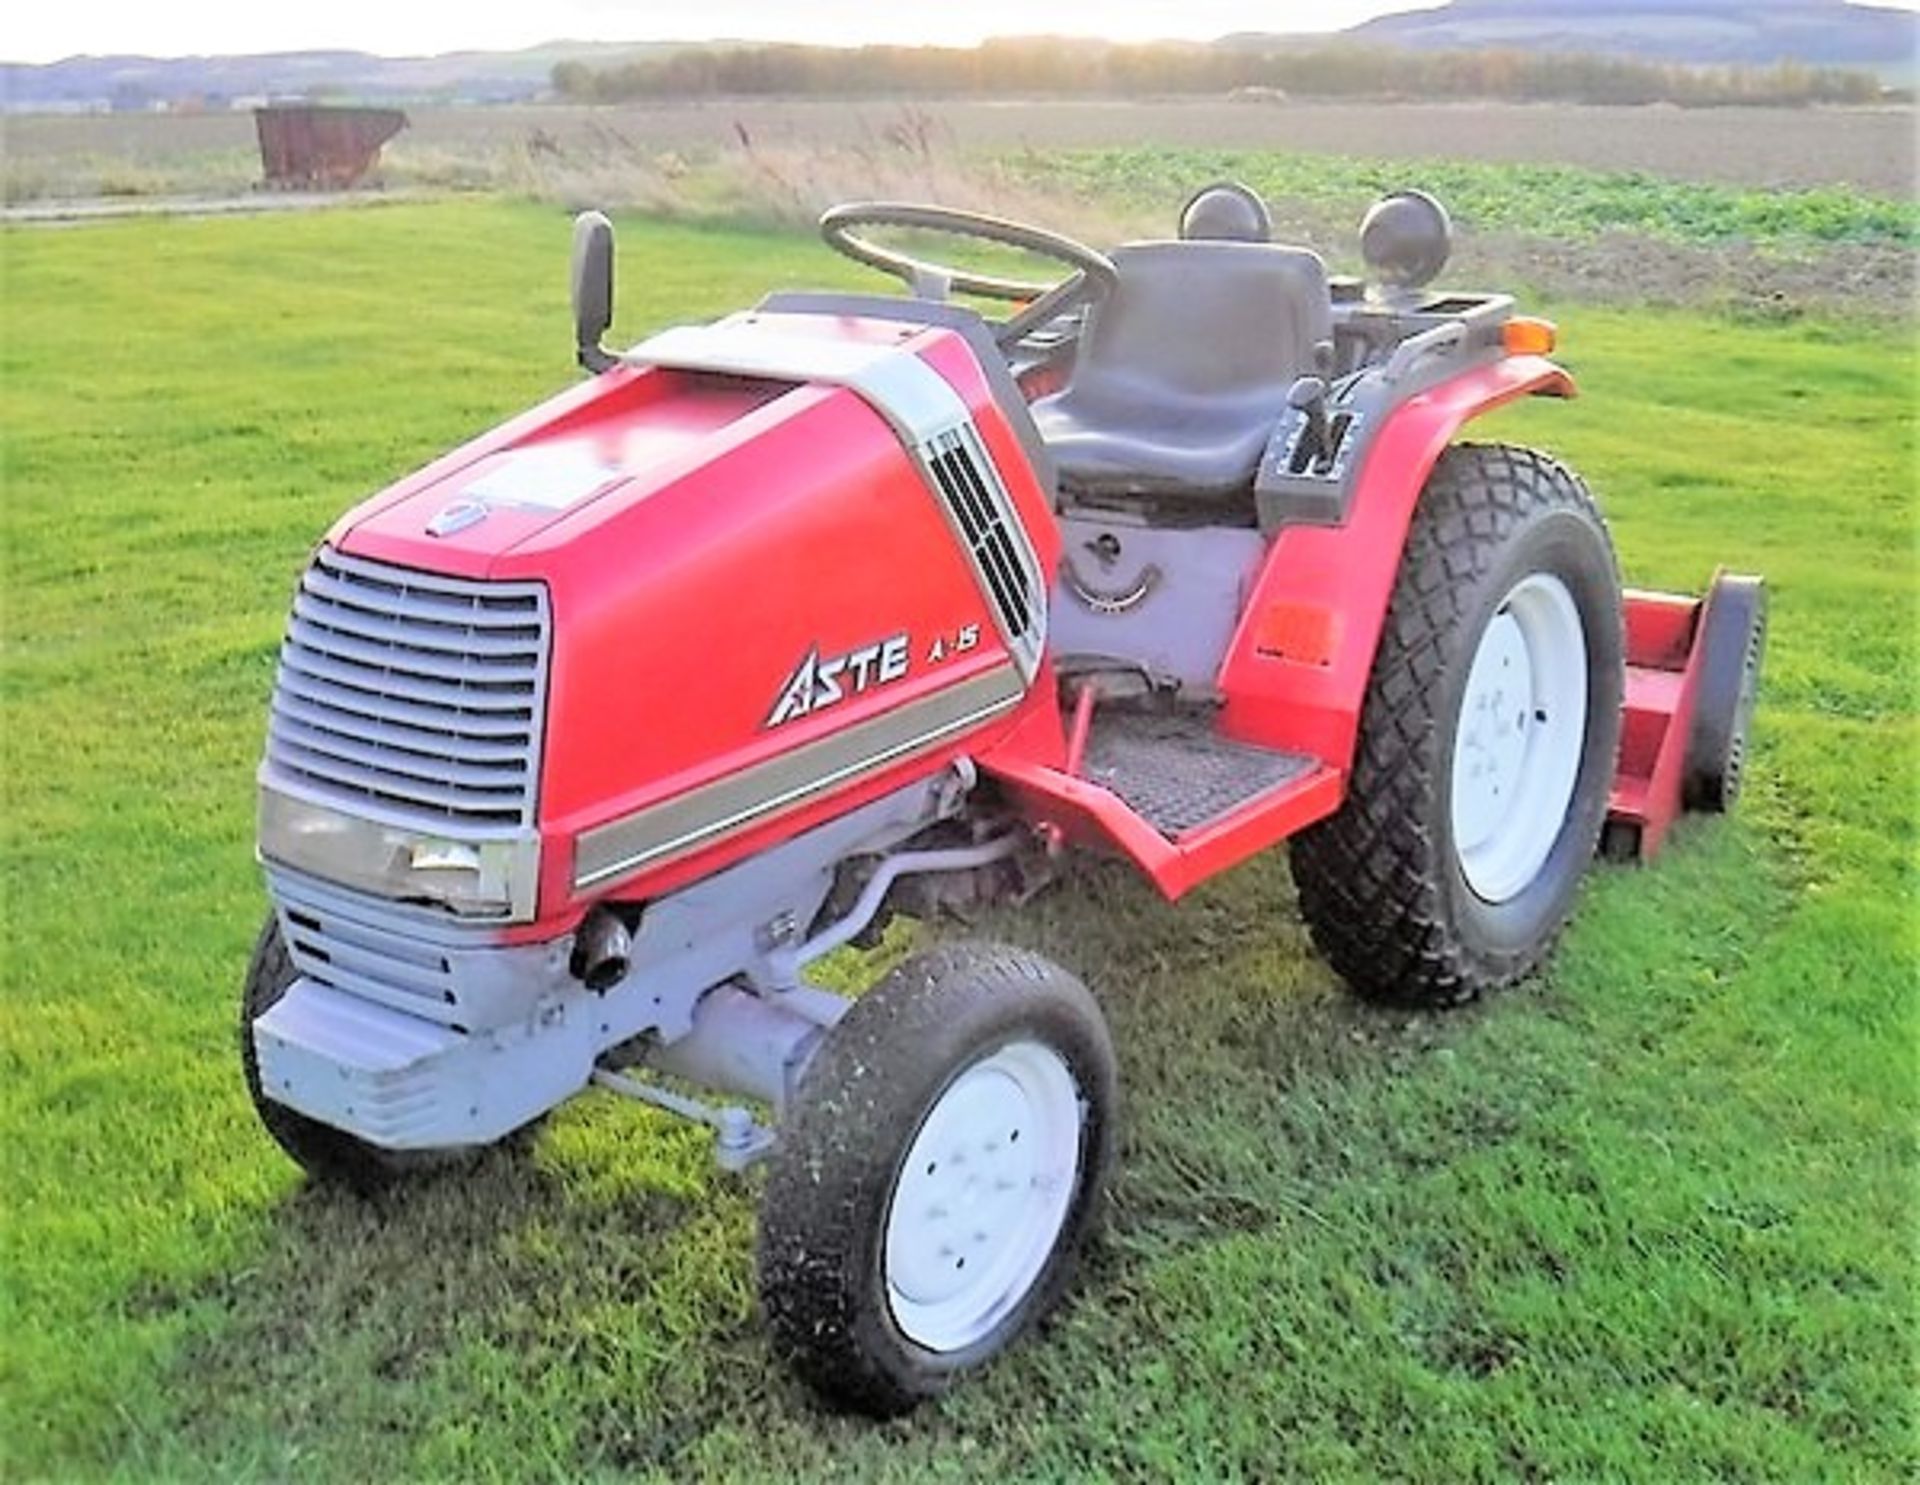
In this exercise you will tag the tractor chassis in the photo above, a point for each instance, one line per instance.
(709, 988)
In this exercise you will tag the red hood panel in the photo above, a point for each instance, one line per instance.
(630, 432)
(746, 579)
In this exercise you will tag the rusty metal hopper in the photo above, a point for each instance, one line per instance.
(306, 146)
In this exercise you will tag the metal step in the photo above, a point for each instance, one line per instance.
(1176, 771)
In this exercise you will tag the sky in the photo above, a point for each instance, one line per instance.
(36, 31)
(32, 31)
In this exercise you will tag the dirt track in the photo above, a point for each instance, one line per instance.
(1872, 149)
(80, 211)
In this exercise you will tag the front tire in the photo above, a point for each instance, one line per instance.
(937, 1174)
(1487, 739)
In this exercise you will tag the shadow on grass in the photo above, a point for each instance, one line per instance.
(359, 1328)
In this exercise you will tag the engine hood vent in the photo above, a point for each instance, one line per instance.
(983, 516)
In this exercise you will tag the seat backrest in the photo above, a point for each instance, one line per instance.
(1206, 319)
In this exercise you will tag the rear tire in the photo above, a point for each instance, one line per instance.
(1476, 798)
(323, 1152)
(960, 1114)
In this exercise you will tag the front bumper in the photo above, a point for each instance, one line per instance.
(412, 1031)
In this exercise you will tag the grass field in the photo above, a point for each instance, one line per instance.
(1753, 211)
(1557, 201)
(1648, 1218)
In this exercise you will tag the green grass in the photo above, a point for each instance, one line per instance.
(1650, 1217)
(1560, 201)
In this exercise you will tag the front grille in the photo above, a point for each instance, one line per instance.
(410, 698)
(367, 958)
(983, 513)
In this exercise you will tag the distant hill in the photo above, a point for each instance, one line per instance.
(134, 81)
(1827, 33)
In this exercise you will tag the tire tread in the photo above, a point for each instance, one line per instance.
(1369, 877)
(818, 1273)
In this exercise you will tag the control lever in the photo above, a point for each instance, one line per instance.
(1308, 396)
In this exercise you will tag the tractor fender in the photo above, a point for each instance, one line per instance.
(1295, 674)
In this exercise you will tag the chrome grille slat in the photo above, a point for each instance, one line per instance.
(383, 784)
(437, 768)
(432, 638)
(421, 595)
(491, 675)
(451, 721)
(424, 741)
(419, 606)
(417, 696)
(410, 688)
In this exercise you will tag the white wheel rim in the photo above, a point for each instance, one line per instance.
(1517, 746)
(982, 1195)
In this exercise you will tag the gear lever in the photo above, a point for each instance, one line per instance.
(1308, 396)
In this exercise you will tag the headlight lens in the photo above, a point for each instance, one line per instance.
(493, 878)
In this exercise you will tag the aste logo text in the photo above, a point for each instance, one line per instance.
(817, 683)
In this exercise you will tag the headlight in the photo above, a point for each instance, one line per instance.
(490, 878)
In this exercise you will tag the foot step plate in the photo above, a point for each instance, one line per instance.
(1177, 772)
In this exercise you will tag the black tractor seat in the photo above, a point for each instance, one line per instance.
(1183, 370)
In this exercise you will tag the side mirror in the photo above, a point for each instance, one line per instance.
(592, 289)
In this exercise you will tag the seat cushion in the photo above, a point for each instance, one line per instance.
(1147, 446)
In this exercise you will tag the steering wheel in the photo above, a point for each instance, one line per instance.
(1092, 279)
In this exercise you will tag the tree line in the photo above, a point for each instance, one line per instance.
(1047, 67)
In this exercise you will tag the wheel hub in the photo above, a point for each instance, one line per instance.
(1518, 742)
(982, 1195)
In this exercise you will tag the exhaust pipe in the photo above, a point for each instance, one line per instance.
(601, 950)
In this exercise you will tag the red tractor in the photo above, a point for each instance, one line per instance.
(591, 736)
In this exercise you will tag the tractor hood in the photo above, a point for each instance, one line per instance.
(586, 456)
(757, 559)
(583, 455)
